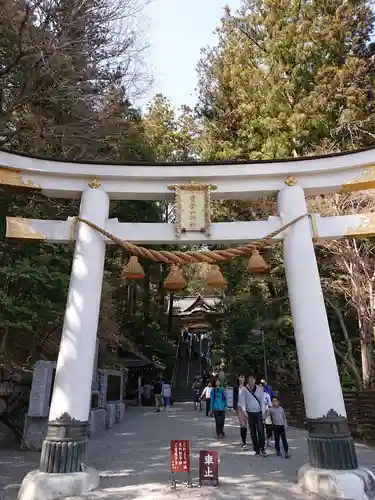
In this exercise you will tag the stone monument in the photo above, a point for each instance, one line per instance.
(111, 389)
(97, 414)
(36, 420)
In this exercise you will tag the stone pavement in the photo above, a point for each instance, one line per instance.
(133, 458)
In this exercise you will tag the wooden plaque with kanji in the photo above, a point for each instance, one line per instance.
(208, 468)
(180, 455)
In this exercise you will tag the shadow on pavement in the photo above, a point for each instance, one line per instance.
(133, 458)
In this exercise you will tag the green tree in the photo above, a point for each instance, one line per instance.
(65, 80)
(171, 135)
(291, 79)
(288, 78)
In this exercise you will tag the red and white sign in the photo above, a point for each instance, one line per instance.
(180, 455)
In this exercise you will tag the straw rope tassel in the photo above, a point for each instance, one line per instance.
(175, 280)
(133, 269)
(215, 279)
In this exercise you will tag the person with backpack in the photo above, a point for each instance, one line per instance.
(219, 405)
(254, 402)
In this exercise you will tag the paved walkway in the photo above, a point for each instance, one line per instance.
(133, 458)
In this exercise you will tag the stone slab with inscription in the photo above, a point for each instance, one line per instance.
(120, 411)
(36, 420)
(97, 421)
(110, 418)
(111, 386)
(34, 432)
(41, 389)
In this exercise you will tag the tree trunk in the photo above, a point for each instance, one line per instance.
(3, 342)
(367, 363)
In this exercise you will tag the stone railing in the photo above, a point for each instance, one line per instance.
(360, 408)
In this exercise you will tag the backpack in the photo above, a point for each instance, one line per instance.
(222, 394)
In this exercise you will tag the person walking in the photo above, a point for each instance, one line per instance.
(167, 395)
(241, 410)
(206, 397)
(255, 413)
(158, 389)
(279, 423)
(267, 388)
(197, 394)
(218, 405)
(268, 421)
(235, 393)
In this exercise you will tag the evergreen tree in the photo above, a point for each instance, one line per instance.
(289, 78)
(170, 134)
(292, 79)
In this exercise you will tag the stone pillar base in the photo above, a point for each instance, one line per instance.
(64, 449)
(38, 485)
(332, 453)
(330, 443)
(355, 484)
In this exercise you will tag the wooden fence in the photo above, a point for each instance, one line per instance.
(360, 408)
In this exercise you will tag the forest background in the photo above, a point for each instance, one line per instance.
(285, 79)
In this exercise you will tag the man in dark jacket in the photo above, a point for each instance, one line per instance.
(158, 389)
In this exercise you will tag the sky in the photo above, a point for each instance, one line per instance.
(177, 30)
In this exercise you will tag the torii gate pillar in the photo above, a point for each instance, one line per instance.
(64, 449)
(333, 468)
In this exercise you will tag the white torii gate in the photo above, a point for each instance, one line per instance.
(333, 468)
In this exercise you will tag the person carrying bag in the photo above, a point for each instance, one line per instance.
(255, 412)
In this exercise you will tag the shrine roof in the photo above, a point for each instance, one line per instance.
(133, 364)
(188, 305)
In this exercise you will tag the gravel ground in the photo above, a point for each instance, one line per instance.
(133, 459)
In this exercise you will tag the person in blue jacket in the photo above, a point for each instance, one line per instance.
(268, 389)
(218, 406)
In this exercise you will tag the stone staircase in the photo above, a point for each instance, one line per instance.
(186, 370)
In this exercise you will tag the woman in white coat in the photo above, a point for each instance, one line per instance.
(268, 421)
(241, 410)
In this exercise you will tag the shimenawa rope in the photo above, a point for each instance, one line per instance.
(188, 257)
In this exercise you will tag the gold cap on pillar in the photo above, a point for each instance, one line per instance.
(133, 270)
(175, 280)
(257, 264)
(215, 279)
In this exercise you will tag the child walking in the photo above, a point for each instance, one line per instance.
(279, 423)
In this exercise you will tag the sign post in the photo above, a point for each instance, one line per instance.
(208, 468)
(180, 459)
